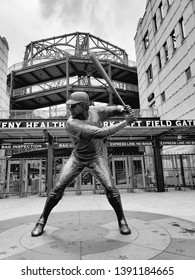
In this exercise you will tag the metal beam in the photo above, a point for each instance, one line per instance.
(158, 166)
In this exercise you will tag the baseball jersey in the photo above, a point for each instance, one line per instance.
(86, 135)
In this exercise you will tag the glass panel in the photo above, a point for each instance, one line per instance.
(14, 180)
(172, 170)
(188, 166)
(138, 171)
(120, 171)
(149, 166)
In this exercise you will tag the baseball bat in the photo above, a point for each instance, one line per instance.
(106, 77)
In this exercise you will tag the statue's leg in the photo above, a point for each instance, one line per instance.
(70, 170)
(102, 172)
(115, 201)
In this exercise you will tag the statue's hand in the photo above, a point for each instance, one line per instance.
(127, 109)
(130, 117)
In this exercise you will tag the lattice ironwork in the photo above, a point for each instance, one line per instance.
(73, 44)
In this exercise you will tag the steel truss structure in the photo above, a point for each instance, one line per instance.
(74, 44)
(53, 68)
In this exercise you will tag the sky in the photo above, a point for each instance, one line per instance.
(23, 21)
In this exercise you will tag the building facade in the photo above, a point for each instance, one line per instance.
(4, 97)
(165, 53)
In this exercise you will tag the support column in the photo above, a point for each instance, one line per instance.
(26, 177)
(11, 90)
(131, 175)
(67, 86)
(158, 166)
(110, 76)
(182, 171)
(8, 177)
(40, 175)
(50, 166)
(49, 174)
(21, 180)
(67, 77)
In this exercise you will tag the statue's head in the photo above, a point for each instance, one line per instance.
(79, 104)
(78, 97)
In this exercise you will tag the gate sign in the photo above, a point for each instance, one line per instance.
(130, 143)
(23, 146)
(34, 124)
(177, 142)
(7, 124)
(157, 123)
(62, 145)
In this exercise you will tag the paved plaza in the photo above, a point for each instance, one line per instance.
(85, 228)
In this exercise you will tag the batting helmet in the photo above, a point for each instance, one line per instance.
(78, 97)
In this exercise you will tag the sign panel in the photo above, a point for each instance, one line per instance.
(130, 143)
(8, 124)
(23, 146)
(34, 124)
(157, 123)
(177, 142)
(62, 145)
(110, 144)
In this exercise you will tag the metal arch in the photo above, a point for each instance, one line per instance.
(83, 43)
(50, 46)
(107, 57)
(101, 55)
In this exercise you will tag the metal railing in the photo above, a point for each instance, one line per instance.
(33, 114)
(70, 52)
(73, 81)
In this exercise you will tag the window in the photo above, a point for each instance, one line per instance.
(168, 4)
(155, 23)
(188, 73)
(152, 104)
(173, 40)
(163, 97)
(149, 73)
(159, 61)
(146, 40)
(182, 29)
(151, 97)
(160, 7)
(165, 47)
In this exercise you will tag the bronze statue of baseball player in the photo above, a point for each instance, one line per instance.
(85, 130)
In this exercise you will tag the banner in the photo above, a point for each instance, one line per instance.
(177, 142)
(157, 123)
(31, 124)
(23, 146)
(130, 143)
(34, 124)
(62, 145)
